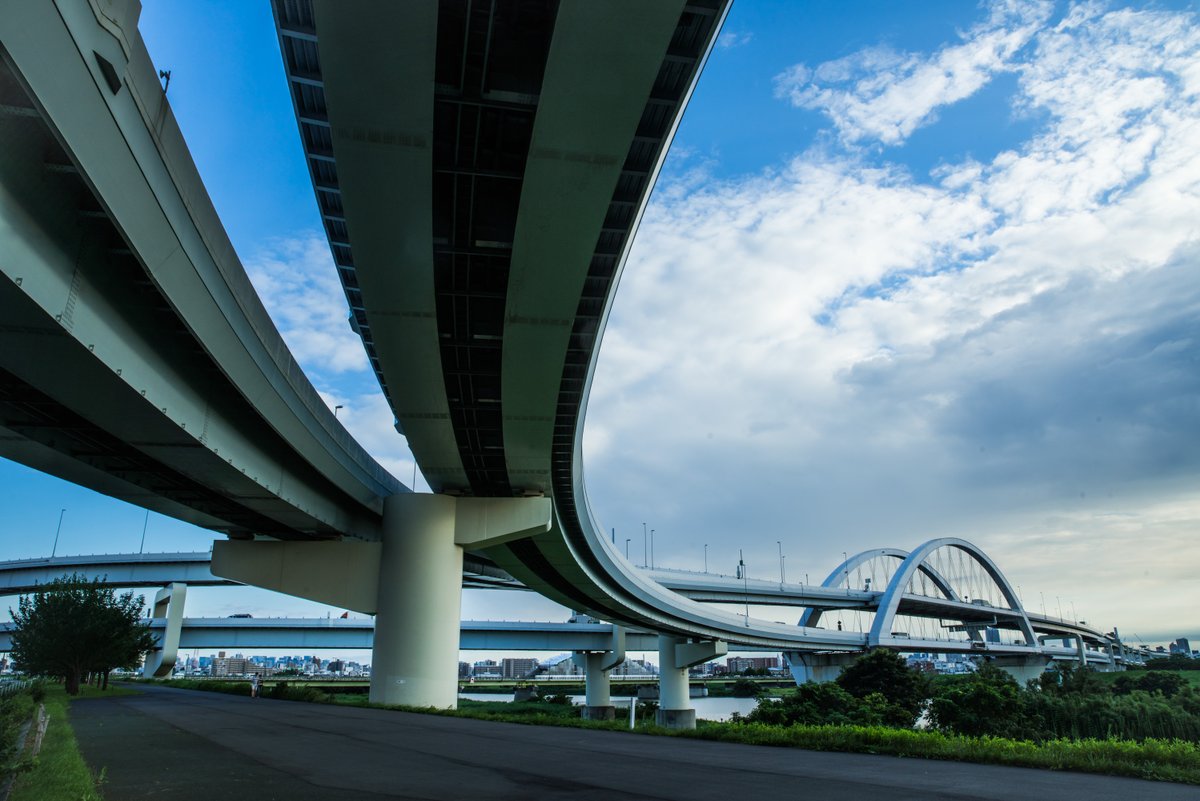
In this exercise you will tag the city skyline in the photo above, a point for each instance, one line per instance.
(939, 280)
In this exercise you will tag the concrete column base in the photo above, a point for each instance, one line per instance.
(415, 658)
(676, 718)
(1022, 668)
(599, 713)
(817, 667)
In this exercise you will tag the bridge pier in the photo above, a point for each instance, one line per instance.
(596, 666)
(817, 667)
(168, 603)
(411, 581)
(1022, 668)
(675, 656)
(414, 661)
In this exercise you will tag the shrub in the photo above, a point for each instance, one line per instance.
(987, 703)
(886, 673)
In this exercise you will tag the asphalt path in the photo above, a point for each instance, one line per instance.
(186, 745)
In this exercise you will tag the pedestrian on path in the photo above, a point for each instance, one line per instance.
(253, 685)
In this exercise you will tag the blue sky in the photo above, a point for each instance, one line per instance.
(912, 270)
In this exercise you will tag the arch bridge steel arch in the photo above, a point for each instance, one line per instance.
(889, 604)
(812, 616)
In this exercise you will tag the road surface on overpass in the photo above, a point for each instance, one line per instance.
(223, 753)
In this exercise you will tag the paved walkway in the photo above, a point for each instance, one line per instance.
(192, 746)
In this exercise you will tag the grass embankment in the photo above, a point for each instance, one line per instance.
(59, 770)
(1161, 760)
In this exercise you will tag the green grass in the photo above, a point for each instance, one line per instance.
(1160, 760)
(59, 771)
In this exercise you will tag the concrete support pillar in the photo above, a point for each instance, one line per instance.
(675, 656)
(168, 603)
(415, 658)
(1022, 668)
(596, 666)
(410, 580)
(1081, 650)
(816, 667)
(598, 701)
(674, 706)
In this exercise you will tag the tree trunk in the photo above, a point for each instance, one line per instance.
(72, 682)
(104, 680)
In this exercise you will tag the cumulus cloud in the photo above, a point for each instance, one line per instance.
(733, 39)
(885, 95)
(297, 281)
(845, 355)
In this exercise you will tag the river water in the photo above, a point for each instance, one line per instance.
(706, 708)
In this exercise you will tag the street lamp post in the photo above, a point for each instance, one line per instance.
(651, 549)
(780, 544)
(706, 557)
(336, 408)
(645, 547)
(57, 531)
(627, 548)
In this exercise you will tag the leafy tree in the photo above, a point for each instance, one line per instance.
(1068, 679)
(1169, 684)
(886, 673)
(73, 626)
(817, 704)
(987, 702)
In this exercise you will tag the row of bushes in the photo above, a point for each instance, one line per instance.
(879, 689)
(280, 690)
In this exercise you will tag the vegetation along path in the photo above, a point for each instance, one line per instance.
(185, 745)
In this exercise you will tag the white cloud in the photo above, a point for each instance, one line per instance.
(884, 95)
(842, 356)
(733, 39)
(298, 283)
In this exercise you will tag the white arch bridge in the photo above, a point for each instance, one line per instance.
(945, 596)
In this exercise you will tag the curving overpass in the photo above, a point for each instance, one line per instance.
(135, 356)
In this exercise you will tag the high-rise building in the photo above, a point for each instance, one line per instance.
(518, 668)
(739, 664)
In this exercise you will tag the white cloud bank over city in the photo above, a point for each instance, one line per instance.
(842, 354)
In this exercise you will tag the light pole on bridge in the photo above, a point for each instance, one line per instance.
(57, 531)
(706, 557)
(645, 547)
(627, 548)
(651, 549)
